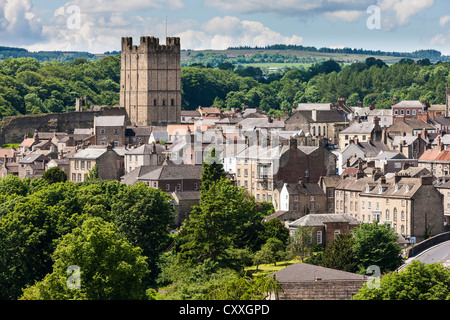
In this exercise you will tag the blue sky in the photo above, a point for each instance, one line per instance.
(97, 25)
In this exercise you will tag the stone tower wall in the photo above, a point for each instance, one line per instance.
(150, 88)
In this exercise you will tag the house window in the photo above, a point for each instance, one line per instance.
(395, 214)
(179, 186)
(337, 233)
(102, 131)
(311, 198)
(414, 112)
(172, 102)
(319, 237)
(295, 198)
(387, 214)
(89, 165)
(239, 172)
(82, 165)
(116, 132)
(154, 184)
(116, 143)
(402, 215)
(74, 177)
(312, 206)
(195, 186)
(76, 164)
(309, 239)
(79, 177)
(167, 187)
(296, 207)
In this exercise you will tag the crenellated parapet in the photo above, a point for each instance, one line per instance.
(150, 44)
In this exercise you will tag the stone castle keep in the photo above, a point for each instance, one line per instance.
(150, 81)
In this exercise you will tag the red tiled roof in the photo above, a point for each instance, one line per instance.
(435, 154)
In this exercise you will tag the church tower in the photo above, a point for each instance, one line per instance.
(150, 81)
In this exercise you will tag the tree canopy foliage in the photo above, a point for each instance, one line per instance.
(36, 216)
(29, 86)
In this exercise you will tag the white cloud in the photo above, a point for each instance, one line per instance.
(18, 22)
(444, 20)
(223, 32)
(440, 38)
(404, 9)
(344, 15)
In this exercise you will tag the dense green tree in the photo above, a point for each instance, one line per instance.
(418, 281)
(144, 215)
(340, 255)
(212, 169)
(376, 244)
(110, 267)
(54, 175)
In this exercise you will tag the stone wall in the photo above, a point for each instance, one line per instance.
(320, 290)
(14, 128)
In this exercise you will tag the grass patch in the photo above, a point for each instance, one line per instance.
(268, 268)
(10, 145)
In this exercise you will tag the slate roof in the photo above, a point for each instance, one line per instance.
(320, 219)
(163, 172)
(32, 157)
(146, 149)
(360, 128)
(300, 272)
(313, 106)
(89, 153)
(304, 188)
(409, 103)
(109, 121)
(323, 116)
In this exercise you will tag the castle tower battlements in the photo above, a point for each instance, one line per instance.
(150, 81)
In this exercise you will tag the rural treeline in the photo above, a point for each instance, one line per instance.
(28, 86)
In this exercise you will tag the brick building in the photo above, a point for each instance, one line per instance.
(263, 169)
(109, 129)
(110, 163)
(325, 227)
(168, 177)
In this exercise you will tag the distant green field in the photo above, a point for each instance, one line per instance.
(273, 58)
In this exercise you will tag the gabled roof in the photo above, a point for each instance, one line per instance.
(304, 188)
(32, 157)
